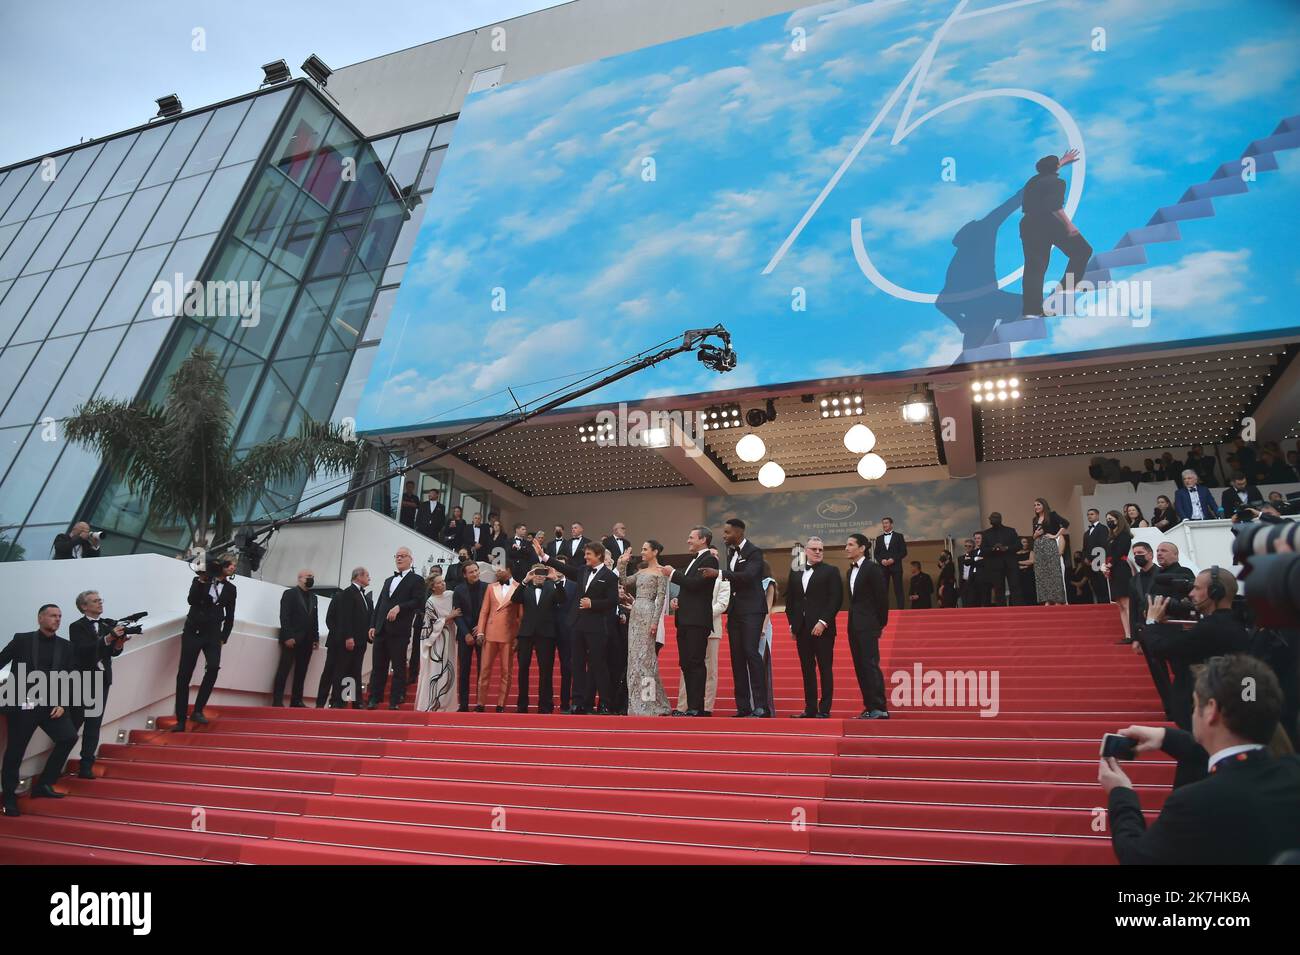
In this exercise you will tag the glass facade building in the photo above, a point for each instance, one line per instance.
(275, 188)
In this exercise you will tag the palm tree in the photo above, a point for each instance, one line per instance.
(180, 457)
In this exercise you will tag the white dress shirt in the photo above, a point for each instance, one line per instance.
(1232, 751)
(397, 579)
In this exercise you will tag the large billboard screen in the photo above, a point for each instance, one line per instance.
(860, 189)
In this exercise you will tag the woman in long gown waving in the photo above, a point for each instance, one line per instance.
(649, 588)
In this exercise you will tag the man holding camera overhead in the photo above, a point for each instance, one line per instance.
(77, 543)
(208, 624)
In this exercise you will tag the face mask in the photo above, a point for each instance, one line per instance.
(310, 582)
(1111, 524)
(1140, 559)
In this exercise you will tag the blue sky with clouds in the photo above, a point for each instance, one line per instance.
(542, 194)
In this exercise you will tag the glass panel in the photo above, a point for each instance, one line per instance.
(298, 144)
(39, 383)
(257, 127)
(185, 261)
(350, 313)
(103, 216)
(297, 239)
(131, 288)
(274, 403)
(431, 167)
(120, 511)
(407, 234)
(308, 322)
(90, 294)
(212, 144)
(266, 212)
(13, 362)
(218, 200)
(241, 383)
(12, 185)
(355, 382)
(37, 542)
(409, 155)
(21, 294)
(384, 148)
(23, 245)
(378, 243)
(61, 499)
(28, 475)
(7, 234)
(106, 163)
(51, 249)
(11, 439)
(133, 167)
(135, 218)
(173, 155)
(68, 172)
(93, 357)
(133, 360)
(48, 304)
(324, 380)
(442, 134)
(371, 183)
(393, 275)
(173, 212)
(379, 313)
(276, 298)
(336, 250)
(32, 193)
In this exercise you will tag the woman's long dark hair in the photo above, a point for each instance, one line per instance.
(1121, 523)
(1047, 511)
(655, 546)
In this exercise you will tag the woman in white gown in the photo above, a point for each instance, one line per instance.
(649, 589)
(437, 681)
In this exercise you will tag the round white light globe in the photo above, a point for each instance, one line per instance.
(859, 439)
(771, 474)
(872, 467)
(751, 448)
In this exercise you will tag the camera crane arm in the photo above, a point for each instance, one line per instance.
(719, 357)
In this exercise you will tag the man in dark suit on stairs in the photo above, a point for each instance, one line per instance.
(1096, 540)
(399, 599)
(589, 619)
(890, 550)
(539, 596)
(95, 640)
(745, 615)
(694, 617)
(431, 516)
(812, 599)
(868, 614)
(299, 636)
(347, 623)
(208, 625)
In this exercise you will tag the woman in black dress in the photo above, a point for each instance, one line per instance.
(1164, 517)
(947, 580)
(1080, 580)
(1025, 561)
(1133, 514)
(1049, 570)
(1118, 571)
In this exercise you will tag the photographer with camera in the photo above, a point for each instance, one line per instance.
(96, 640)
(1242, 808)
(1184, 644)
(1158, 576)
(208, 624)
(1242, 495)
(78, 542)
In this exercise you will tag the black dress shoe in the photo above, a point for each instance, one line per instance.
(566, 709)
(479, 708)
(501, 709)
(707, 713)
(760, 713)
(298, 705)
(46, 791)
(603, 711)
(393, 706)
(372, 705)
(577, 712)
(741, 716)
(521, 709)
(694, 713)
(178, 728)
(11, 807)
(864, 715)
(86, 770)
(878, 715)
(676, 712)
(823, 716)
(278, 706)
(463, 708)
(198, 717)
(803, 716)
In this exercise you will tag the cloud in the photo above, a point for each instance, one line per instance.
(932, 214)
(1245, 73)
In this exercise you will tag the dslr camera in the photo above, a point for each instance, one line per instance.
(1271, 568)
(1177, 588)
(131, 623)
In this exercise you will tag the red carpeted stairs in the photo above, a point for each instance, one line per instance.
(936, 783)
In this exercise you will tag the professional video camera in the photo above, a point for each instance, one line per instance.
(1271, 568)
(1176, 587)
(130, 623)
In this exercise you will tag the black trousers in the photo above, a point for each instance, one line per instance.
(1037, 236)
(545, 647)
(1159, 671)
(191, 646)
(1100, 587)
(590, 668)
(692, 651)
(816, 655)
(295, 658)
(617, 656)
(564, 650)
(972, 593)
(23, 724)
(1001, 582)
(390, 650)
(894, 574)
(466, 656)
(748, 667)
(340, 679)
(89, 726)
(865, 647)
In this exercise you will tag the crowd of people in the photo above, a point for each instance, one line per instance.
(1266, 463)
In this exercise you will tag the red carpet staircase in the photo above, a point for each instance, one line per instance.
(933, 784)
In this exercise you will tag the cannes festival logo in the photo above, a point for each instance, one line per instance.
(837, 509)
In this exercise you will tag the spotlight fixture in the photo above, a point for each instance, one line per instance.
(750, 448)
(840, 405)
(595, 432)
(315, 67)
(169, 105)
(276, 71)
(718, 417)
(860, 439)
(755, 417)
(916, 409)
(771, 474)
(871, 467)
(990, 392)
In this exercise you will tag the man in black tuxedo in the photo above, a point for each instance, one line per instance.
(431, 516)
(1241, 810)
(920, 589)
(400, 598)
(812, 599)
(1141, 590)
(539, 596)
(745, 614)
(589, 619)
(1096, 539)
(572, 551)
(868, 614)
(890, 550)
(1238, 495)
(78, 542)
(1217, 632)
(968, 563)
(95, 640)
(1002, 573)
(347, 623)
(299, 636)
(478, 538)
(468, 598)
(208, 625)
(520, 554)
(45, 651)
(410, 506)
(564, 636)
(558, 545)
(455, 533)
(694, 615)
(617, 543)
